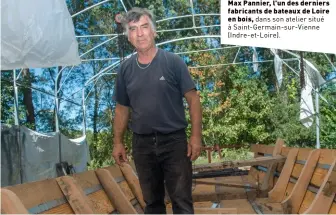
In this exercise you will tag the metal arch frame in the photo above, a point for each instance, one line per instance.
(95, 5)
(163, 20)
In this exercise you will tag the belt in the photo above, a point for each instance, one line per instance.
(157, 133)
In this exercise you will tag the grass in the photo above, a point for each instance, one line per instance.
(227, 155)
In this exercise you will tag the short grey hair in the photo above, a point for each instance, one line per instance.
(135, 14)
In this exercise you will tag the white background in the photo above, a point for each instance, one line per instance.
(323, 40)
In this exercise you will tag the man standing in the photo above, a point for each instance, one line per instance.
(152, 84)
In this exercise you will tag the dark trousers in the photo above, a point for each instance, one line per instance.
(161, 159)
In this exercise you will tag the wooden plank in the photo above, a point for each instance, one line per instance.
(276, 180)
(293, 202)
(318, 177)
(126, 190)
(100, 202)
(206, 204)
(10, 203)
(277, 194)
(255, 173)
(327, 156)
(262, 149)
(297, 170)
(204, 192)
(133, 182)
(61, 209)
(114, 192)
(76, 197)
(269, 207)
(333, 208)
(220, 188)
(249, 180)
(307, 201)
(304, 154)
(330, 187)
(325, 196)
(203, 210)
(239, 163)
(231, 187)
(289, 189)
(232, 184)
(267, 182)
(209, 156)
(115, 171)
(243, 206)
(280, 166)
(215, 210)
(44, 191)
(285, 151)
(88, 180)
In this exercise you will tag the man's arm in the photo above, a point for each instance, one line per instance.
(119, 127)
(120, 123)
(195, 111)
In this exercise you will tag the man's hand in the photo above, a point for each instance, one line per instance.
(119, 153)
(194, 147)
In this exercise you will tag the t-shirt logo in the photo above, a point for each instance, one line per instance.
(162, 78)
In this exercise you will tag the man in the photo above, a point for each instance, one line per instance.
(152, 84)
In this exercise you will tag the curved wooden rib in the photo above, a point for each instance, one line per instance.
(76, 197)
(114, 192)
(133, 182)
(10, 203)
(278, 192)
(293, 202)
(323, 200)
(267, 182)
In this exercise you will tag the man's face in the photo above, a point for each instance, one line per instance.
(141, 34)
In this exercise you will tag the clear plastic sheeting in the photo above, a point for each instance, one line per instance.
(75, 152)
(28, 156)
(37, 34)
(277, 66)
(278, 69)
(306, 104)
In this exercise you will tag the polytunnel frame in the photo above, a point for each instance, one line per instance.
(115, 64)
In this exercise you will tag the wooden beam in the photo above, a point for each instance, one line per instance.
(75, 195)
(293, 202)
(261, 149)
(10, 203)
(133, 182)
(278, 192)
(209, 156)
(326, 194)
(267, 182)
(224, 184)
(240, 163)
(210, 210)
(114, 192)
(215, 210)
(330, 188)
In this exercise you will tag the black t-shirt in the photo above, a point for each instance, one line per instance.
(155, 94)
